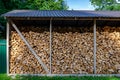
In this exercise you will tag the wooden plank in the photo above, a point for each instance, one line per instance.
(30, 48)
(94, 46)
(50, 46)
(67, 74)
(7, 57)
(42, 18)
(62, 18)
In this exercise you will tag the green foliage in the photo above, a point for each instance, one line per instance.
(8, 5)
(44, 5)
(33, 4)
(5, 77)
(105, 5)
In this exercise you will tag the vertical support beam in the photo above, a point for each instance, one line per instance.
(51, 46)
(94, 47)
(30, 48)
(7, 57)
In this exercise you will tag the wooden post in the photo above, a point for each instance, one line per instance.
(7, 57)
(51, 46)
(94, 47)
(30, 48)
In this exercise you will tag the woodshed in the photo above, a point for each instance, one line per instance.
(68, 42)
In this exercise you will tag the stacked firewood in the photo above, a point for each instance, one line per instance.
(108, 50)
(72, 50)
(22, 61)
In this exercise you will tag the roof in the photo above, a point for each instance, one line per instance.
(62, 13)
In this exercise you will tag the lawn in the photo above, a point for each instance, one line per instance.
(5, 77)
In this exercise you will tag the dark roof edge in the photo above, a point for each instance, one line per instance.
(61, 13)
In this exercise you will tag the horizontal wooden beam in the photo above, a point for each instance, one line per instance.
(64, 18)
(67, 74)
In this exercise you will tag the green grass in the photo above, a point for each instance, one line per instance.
(5, 77)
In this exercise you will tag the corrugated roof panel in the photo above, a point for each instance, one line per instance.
(61, 13)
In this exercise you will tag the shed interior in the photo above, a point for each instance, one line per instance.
(72, 47)
(74, 23)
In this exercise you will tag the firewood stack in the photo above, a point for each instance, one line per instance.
(21, 59)
(108, 50)
(72, 50)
